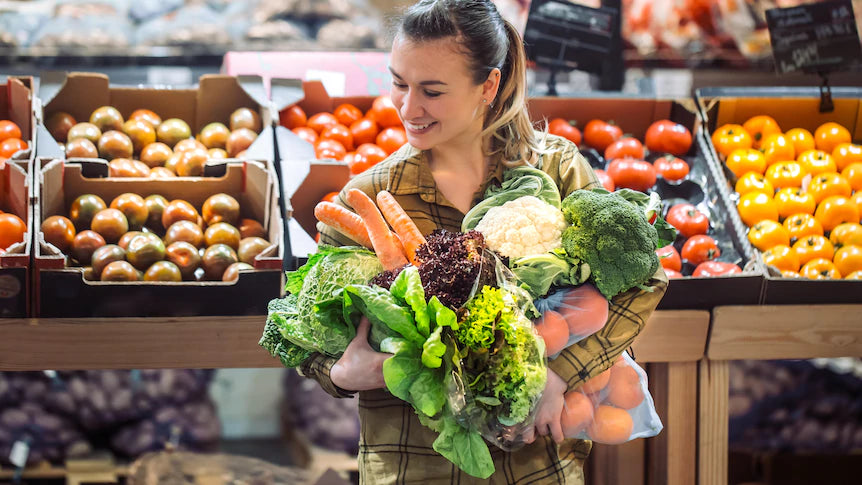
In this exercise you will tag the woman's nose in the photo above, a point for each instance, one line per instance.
(410, 106)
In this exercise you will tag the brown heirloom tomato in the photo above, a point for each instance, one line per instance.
(59, 231)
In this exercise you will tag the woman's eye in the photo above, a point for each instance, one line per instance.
(432, 94)
(399, 85)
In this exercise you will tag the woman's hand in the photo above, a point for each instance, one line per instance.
(360, 368)
(550, 410)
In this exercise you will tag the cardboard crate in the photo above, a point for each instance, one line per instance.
(16, 104)
(63, 292)
(792, 108)
(212, 100)
(634, 115)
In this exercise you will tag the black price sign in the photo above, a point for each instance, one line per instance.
(818, 37)
(565, 36)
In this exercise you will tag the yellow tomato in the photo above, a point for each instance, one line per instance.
(753, 182)
(802, 139)
(829, 184)
(790, 274)
(793, 200)
(760, 128)
(728, 138)
(847, 233)
(835, 210)
(785, 174)
(754, 207)
(777, 148)
(813, 247)
(853, 174)
(817, 161)
(766, 234)
(848, 259)
(745, 160)
(829, 135)
(856, 275)
(820, 269)
(856, 199)
(802, 225)
(782, 257)
(847, 153)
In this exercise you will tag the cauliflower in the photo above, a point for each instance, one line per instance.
(521, 227)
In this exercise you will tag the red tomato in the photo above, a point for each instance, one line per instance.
(715, 268)
(11, 146)
(600, 134)
(359, 163)
(672, 274)
(372, 152)
(605, 179)
(665, 136)
(625, 148)
(391, 139)
(293, 117)
(384, 112)
(699, 249)
(687, 220)
(321, 121)
(669, 258)
(8, 130)
(330, 197)
(632, 174)
(339, 133)
(329, 149)
(347, 114)
(565, 129)
(306, 134)
(364, 131)
(671, 168)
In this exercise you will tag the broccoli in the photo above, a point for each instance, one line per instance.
(611, 235)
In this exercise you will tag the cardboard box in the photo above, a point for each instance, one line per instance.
(63, 292)
(212, 100)
(635, 115)
(16, 104)
(791, 108)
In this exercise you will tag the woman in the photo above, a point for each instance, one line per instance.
(459, 85)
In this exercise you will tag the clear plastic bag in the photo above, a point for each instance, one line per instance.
(570, 315)
(612, 408)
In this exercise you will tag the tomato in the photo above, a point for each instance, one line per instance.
(845, 154)
(624, 148)
(699, 249)
(728, 138)
(565, 129)
(745, 160)
(709, 269)
(9, 129)
(816, 161)
(339, 133)
(856, 275)
(384, 112)
(605, 179)
(856, 199)
(834, 210)
(687, 220)
(600, 134)
(753, 182)
(813, 247)
(853, 174)
(792, 200)
(665, 136)
(329, 149)
(829, 135)
(790, 274)
(819, 269)
(632, 174)
(11, 146)
(785, 174)
(391, 139)
(59, 231)
(801, 139)
(777, 148)
(782, 257)
(306, 134)
(671, 168)
(321, 121)
(12, 230)
(848, 259)
(374, 153)
(846, 233)
(672, 274)
(754, 207)
(766, 234)
(364, 131)
(760, 128)
(802, 225)
(669, 258)
(359, 163)
(347, 114)
(292, 117)
(829, 184)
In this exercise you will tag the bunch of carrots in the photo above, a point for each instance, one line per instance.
(368, 226)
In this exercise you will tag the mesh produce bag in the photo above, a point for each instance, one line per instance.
(192, 426)
(47, 436)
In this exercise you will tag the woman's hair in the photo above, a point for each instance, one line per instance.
(488, 41)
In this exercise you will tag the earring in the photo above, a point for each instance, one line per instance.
(485, 101)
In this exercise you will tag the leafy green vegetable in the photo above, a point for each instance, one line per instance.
(433, 349)
(517, 182)
(542, 271)
(407, 287)
(387, 316)
(651, 207)
(290, 354)
(465, 448)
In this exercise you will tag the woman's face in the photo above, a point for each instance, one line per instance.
(434, 93)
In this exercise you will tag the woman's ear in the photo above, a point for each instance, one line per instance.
(491, 86)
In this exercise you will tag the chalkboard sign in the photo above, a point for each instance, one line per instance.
(818, 37)
(564, 36)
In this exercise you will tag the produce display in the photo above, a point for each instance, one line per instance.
(455, 308)
(308, 410)
(191, 426)
(799, 195)
(12, 230)
(11, 140)
(153, 239)
(349, 135)
(49, 436)
(144, 145)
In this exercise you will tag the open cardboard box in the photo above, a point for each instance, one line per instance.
(63, 291)
(16, 104)
(634, 115)
(212, 100)
(791, 108)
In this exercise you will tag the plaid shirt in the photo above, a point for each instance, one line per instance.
(394, 447)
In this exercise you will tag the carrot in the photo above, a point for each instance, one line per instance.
(401, 223)
(382, 239)
(343, 221)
